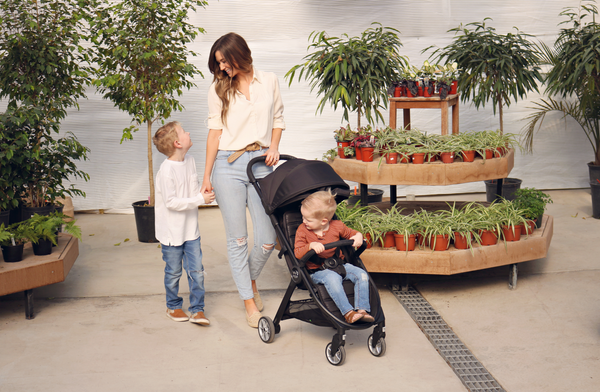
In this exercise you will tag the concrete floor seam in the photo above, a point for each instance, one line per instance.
(465, 365)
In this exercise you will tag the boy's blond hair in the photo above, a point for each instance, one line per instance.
(165, 137)
(320, 205)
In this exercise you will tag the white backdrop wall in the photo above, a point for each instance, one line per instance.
(277, 32)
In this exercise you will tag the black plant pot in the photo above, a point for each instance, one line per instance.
(509, 187)
(43, 247)
(144, 221)
(594, 172)
(374, 196)
(595, 199)
(28, 212)
(5, 218)
(12, 253)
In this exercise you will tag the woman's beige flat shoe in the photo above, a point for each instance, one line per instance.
(258, 301)
(253, 319)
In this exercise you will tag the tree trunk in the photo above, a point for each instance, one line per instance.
(150, 168)
(358, 122)
(500, 114)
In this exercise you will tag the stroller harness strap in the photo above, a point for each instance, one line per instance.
(250, 147)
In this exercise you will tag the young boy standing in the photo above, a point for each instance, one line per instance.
(318, 229)
(176, 221)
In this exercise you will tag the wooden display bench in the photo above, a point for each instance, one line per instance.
(434, 102)
(37, 271)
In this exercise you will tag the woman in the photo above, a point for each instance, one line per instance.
(245, 120)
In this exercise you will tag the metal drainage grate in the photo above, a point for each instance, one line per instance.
(470, 371)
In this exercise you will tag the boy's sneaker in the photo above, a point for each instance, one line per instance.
(177, 315)
(199, 318)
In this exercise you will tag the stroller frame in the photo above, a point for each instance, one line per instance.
(313, 309)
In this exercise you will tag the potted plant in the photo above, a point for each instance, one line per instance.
(142, 66)
(463, 222)
(344, 136)
(405, 229)
(572, 84)
(43, 231)
(330, 155)
(512, 219)
(532, 202)
(12, 240)
(353, 72)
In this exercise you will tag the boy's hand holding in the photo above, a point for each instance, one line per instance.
(209, 197)
(317, 247)
(358, 240)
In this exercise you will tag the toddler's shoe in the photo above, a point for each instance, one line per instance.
(366, 316)
(199, 318)
(352, 317)
(177, 315)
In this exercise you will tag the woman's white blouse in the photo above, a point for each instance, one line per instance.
(248, 121)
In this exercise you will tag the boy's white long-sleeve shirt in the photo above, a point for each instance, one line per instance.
(176, 204)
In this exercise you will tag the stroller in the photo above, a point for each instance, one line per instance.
(281, 193)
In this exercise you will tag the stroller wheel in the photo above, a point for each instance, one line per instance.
(378, 349)
(266, 329)
(337, 358)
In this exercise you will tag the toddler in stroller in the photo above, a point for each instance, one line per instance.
(328, 268)
(281, 193)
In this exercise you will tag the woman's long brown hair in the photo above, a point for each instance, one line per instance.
(236, 52)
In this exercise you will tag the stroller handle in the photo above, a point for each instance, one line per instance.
(330, 245)
(262, 158)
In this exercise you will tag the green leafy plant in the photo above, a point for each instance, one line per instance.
(330, 155)
(532, 202)
(18, 233)
(45, 227)
(494, 66)
(353, 72)
(573, 82)
(142, 58)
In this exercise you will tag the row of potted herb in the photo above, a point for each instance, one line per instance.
(467, 226)
(40, 230)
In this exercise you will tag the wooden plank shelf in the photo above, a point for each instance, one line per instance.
(434, 173)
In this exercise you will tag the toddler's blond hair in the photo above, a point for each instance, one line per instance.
(165, 137)
(320, 205)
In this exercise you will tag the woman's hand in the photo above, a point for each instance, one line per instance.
(272, 155)
(206, 186)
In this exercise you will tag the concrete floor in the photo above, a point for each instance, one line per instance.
(104, 328)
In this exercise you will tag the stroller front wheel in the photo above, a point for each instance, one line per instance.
(266, 329)
(336, 358)
(378, 349)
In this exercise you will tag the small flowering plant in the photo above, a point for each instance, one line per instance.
(344, 134)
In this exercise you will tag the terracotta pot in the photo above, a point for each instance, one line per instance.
(454, 87)
(388, 240)
(403, 158)
(489, 154)
(368, 240)
(420, 91)
(397, 92)
(440, 242)
(422, 240)
(358, 153)
(367, 154)
(499, 152)
(488, 237)
(408, 93)
(341, 146)
(431, 157)
(447, 157)
(418, 158)
(391, 158)
(529, 228)
(461, 241)
(468, 156)
(402, 245)
(509, 235)
(426, 92)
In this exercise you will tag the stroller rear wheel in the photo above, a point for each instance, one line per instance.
(378, 349)
(266, 329)
(336, 358)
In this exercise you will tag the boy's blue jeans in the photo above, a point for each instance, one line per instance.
(191, 255)
(333, 283)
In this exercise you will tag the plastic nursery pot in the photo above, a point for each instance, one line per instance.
(461, 241)
(341, 146)
(420, 93)
(447, 157)
(418, 158)
(408, 93)
(391, 158)
(404, 158)
(499, 152)
(12, 254)
(397, 92)
(422, 240)
(388, 240)
(511, 235)
(368, 240)
(454, 87)
(426, 92)
(401, 244)
(43, 247)
(468, 156)
(358, 153)
(367, 154)
(488, 237)
(439, 242)
(489, 154)
(595, 189)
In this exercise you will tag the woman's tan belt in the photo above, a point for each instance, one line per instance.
(250, 147)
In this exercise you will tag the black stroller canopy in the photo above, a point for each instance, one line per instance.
(296, 177)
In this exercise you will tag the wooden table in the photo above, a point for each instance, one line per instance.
(434, 102)
(37, 271)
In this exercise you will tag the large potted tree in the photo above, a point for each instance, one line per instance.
(43, 72)
(573, 84)
(142, 67)
(353, 72)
